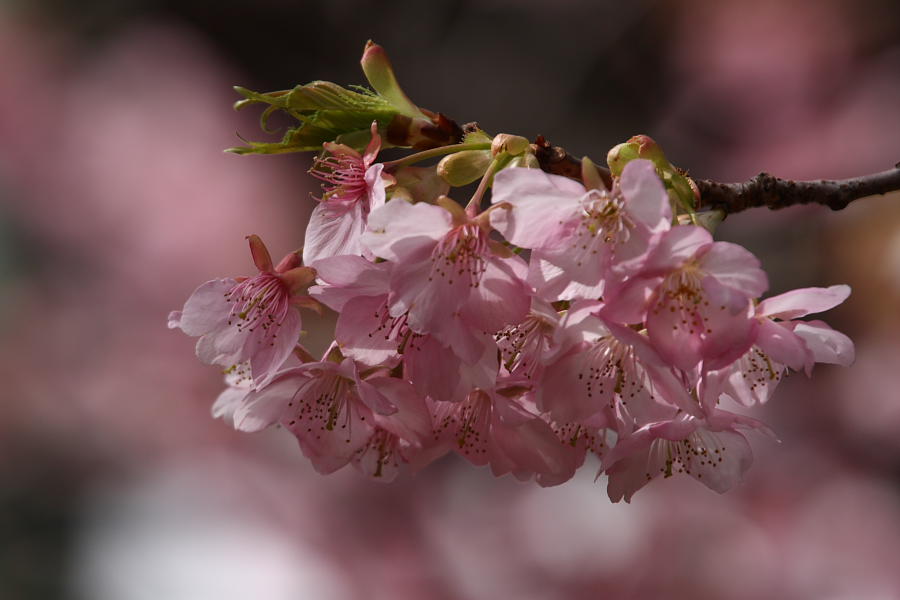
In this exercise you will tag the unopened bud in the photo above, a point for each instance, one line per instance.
(525, 160)
(510, 144)
(378, 70)
(590, 175)
(462, 168)
(681, 189)
(639, 146)
(418, 184)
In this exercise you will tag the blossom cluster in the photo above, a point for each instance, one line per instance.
(565, 318)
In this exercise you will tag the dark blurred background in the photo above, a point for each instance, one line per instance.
(116, 484)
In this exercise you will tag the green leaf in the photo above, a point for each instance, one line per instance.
(326, 112)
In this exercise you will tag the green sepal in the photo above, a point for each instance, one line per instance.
(678, 185)
(326, 112)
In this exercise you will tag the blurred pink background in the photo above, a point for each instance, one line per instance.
(117, 201)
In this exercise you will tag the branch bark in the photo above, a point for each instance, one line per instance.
(763, 190)
(775, 193)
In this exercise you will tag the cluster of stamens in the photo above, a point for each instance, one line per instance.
(260, 301)
(323, 405)
(681, 292)
(698, 450)
(460, 254)
(343, 175)
(522, 345)
(467, 421)
(602, 221)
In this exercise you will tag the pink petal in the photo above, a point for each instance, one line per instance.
(663, 383)
(827, 345)
(333, 231)
(375, 184)
(646, 198)
(799, 303)
(728, 333)
(372, 397)
(552, 283)
(629, 303)
(735, 267)
(501, 298)
(365, 331)
(206, 310)
(675, 247)
(265, 407)
(412, 421)
(346, 277)
(399, 229)
(783, 345)
(573, 389)
(272, 347)
(373, 146)
(544, 209)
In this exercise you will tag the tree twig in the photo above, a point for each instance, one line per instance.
(775, 193)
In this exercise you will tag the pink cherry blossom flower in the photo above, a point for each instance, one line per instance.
(398, 438)
(367, 332)
(354, 186)
(579, 438)
(598, 365)
(333, 410)
(490, 428)
(445, 264)
(713, 451)
(696, 298)
(253, 319)
(523, 346)
(783, 342)
(589, 234)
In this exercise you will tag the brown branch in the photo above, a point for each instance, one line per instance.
(763, 190)
(775, 193)
(555, 160)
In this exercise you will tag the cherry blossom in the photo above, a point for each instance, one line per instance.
(334, 410)
(713, 451)
(696, 297)
(445, 264)
(785, 342)
(587, 233)
(354, 186)
(253, 319)
(489, 427)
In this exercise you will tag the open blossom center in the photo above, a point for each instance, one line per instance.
(602, 221)
(384, 448)
(681, 292)
(260, 301)
(468, 422)
(460, 255)
(522, 345)
(323, 404)
(609, 364)
(698, 451)
(344, 176)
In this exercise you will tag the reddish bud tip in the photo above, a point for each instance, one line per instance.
(260, 253)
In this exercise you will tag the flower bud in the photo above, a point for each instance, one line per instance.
(590, 175)
(510, 144)
(462, 168)
(378, 70)
(681, 189)
(418, 184)
(525, 160)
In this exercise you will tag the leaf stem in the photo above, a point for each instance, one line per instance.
(433, 153)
